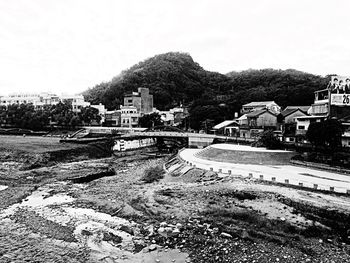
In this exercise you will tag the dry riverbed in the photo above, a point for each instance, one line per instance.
(100, 210)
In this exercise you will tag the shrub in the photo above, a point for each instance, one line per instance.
(153, 174)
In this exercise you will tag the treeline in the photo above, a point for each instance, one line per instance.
(174, 78)
(27, 117)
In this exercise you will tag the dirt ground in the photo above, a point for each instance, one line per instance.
(84, 208)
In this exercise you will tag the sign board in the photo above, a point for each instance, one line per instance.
(339, 87)
(340, 99)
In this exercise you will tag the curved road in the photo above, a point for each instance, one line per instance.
(295, 175)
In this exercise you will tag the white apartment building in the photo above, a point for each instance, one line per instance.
(129, 116)
(39, 100)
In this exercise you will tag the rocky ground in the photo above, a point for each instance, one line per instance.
(89, 209)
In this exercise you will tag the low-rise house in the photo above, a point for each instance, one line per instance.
(254, 123)
(112, 118)
(261, 105)
(228, 128)
(262, 119)
(289, 114)
(287, 124)
(303, 123)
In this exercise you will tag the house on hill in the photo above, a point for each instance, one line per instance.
(261, 105)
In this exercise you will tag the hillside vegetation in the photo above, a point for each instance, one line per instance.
(175, 78)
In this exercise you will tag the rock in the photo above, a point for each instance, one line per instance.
(85, 232)
(152, 247)
(111, 237)
(163, 224)
(168, 229)
(127, 230)
(216, 230)
(283, 219)
(244, 234)
(176, 231)
(225, 235)
(178, 225)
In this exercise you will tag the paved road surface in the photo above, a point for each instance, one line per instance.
(295, 174)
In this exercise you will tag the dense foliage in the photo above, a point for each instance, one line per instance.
(150, 120)
(327, 133)
(269, 140)
(26, 117)
(174, 78)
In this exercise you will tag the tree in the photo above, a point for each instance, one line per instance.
(269, 140)
(150, 120)
(89, 114)
(327, 133)
(200, 114)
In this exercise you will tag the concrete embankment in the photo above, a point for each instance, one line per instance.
(283, 174)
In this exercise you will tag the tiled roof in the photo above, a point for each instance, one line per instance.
(258, 112)
(259, 103)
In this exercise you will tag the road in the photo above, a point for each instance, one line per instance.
(280, 173)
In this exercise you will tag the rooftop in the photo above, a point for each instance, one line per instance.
(223, 124)
(259, 103)
(302, 108)
(259, 112)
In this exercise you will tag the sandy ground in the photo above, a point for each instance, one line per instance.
(191, 215)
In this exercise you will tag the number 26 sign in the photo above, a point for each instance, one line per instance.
(340, 99)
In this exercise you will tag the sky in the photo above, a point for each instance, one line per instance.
(67, 46)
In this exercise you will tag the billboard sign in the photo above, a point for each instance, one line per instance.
(339, 88)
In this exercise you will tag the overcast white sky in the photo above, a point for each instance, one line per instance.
(70, 45)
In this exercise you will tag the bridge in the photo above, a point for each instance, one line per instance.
(198, 140)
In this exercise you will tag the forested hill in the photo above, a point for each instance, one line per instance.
(174, 78)
(286, 87)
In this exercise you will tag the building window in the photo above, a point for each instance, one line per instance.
(301, 127)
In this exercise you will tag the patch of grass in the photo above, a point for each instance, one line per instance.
(153, 174)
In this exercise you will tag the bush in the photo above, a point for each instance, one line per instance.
(269, 140)
(153, 174)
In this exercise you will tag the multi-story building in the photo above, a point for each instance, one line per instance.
(141, 100)
(129, 116)
(78, 102)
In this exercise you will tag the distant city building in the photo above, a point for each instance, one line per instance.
(39, 100)
(174, 116)
(141, 99)
(77, 101)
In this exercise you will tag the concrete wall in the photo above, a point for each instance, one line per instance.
(266, 119)
(124, 145)
(199, 142)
